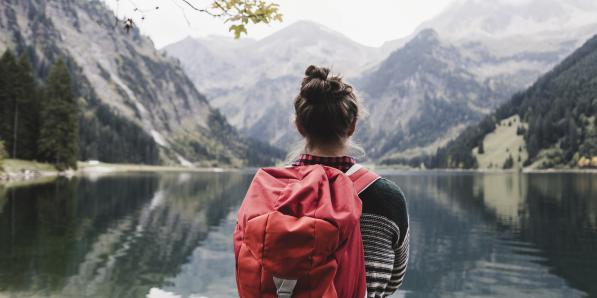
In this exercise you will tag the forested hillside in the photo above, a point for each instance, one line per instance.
(41, 120)
(560, 110)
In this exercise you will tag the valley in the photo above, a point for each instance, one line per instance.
(421, 92)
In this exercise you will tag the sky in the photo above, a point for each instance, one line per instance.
(370, 22)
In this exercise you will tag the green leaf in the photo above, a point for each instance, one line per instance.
(238, 29)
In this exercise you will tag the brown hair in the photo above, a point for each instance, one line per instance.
(325, 108)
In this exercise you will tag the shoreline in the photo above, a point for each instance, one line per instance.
(491, 171)
(26, 171)
(85, 168)
(16, 171)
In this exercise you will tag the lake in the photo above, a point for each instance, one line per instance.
(169, 235)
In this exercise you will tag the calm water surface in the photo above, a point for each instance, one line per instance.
(169, 235)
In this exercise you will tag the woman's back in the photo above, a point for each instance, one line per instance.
(384, 228)
(326, 114)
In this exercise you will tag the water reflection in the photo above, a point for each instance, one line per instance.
(115, 237)
(484, 235)
(496, 235)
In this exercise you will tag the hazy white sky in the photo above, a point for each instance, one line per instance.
(369, 22)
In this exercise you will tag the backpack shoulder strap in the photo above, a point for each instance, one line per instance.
(361, 177)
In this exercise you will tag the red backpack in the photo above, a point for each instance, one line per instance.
(298, 233)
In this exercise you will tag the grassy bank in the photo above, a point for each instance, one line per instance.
(15, 172)
(17, 165)
(85, 167)
(22, 170)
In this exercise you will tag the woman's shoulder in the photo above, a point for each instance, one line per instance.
(385, 198)
(386, 191)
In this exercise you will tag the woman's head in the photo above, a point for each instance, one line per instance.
(326, 109)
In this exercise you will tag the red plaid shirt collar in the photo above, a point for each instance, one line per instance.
(342, 163)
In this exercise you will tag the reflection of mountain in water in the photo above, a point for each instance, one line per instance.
(116, 237)
(496, 235)
(557, 214)
(210, 270)
(560, 218)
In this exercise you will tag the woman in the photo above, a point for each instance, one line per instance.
(327, 111)
(297, 232)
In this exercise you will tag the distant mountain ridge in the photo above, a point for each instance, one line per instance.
(420, 91)
(253, 83)
(125, 75)
(478, 20)
(514, 42)
(558, 120)
(421, 96)
(506, 46)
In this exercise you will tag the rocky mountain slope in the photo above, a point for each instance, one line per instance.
(557, 121)
(125, 73)
(253, 83)
(514, 42)
(504, 45)
(421, 96)
(478, 20)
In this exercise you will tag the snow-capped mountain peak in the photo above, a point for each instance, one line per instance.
(474, 19)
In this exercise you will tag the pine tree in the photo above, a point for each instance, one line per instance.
(573, 136)
(18, 107)
(8, 96)
(508, 163)
(26, 125)
(481, 147)
(58, 141)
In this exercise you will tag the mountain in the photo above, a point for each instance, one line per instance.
(426, 79)
(212, 57)
(515, 41)
(422, 96)
(254, 83)
(124, 76)
(436, 86)
(503, 45)
(478, 20)
(552, 123)
(421, 91)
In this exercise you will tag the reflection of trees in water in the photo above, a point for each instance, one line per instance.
(462, 241)
(115, 237)
(561, 211)
(47, 228)
(557, 213)
(3, 197)
(444, 242)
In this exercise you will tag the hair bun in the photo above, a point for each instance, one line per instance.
(315, 72)
(325, 108)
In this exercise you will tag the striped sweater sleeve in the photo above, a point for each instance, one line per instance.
(384, 228)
